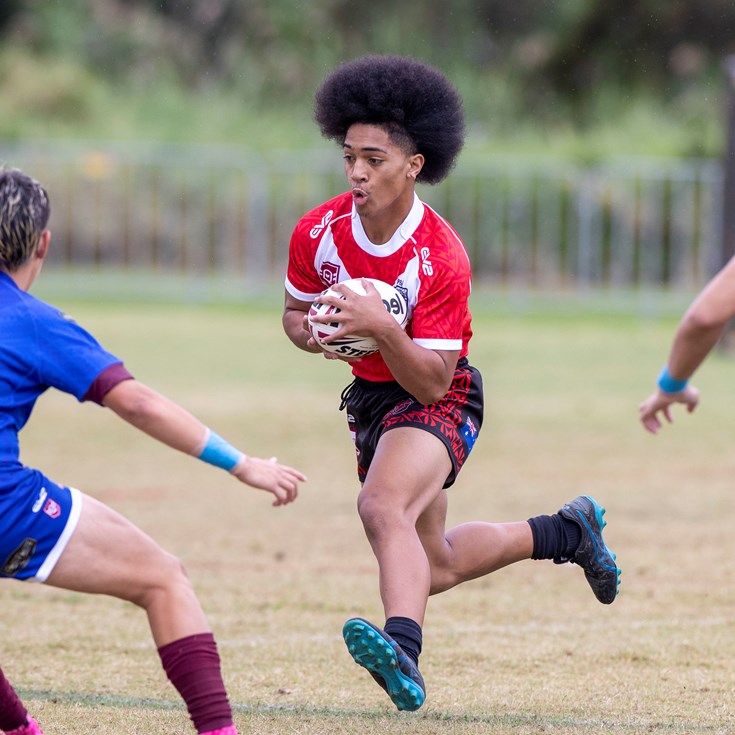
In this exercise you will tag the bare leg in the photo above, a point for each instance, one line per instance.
(405, 476)
(403, 508)
(109, 555)
(469, 550)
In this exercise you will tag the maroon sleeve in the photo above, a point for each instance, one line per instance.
(106, 381)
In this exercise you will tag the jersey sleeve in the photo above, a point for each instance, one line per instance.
(440, 316)
(302, 279)
(70, 358)
(111, 376)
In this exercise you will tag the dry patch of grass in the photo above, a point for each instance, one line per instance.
(527, 650)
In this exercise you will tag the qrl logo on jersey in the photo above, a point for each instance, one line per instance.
(317, 229)
(52, 509)
(329, 273)
(426, 265)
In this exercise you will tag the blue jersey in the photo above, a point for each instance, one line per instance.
(40, 348)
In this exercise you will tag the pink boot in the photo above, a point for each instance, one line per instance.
(30, 728)
(229, 730)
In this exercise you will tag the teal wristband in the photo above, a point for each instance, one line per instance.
(668, 384)
(219, 452)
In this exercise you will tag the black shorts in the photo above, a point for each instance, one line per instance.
(376, 407)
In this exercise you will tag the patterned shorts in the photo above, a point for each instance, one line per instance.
(374, 408)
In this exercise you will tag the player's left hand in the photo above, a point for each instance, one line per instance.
(268, 475)
(659, 404)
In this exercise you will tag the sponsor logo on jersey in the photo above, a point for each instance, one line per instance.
(52, 509)
(318, 229)
(426, 265)
(329, 273)
(19, 558)
(39, 502)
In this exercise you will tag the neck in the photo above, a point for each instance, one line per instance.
(381, 227)
(24, 276)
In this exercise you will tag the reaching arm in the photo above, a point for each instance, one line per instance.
(697, 333)
(173, 425)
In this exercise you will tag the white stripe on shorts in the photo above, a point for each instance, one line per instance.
(50, 561)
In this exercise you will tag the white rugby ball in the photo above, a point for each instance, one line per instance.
(353, 345)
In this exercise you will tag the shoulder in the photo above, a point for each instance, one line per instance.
(25, 306)
(314, 222)
(439, 243)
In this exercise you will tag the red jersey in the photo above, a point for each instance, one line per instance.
(425, 260)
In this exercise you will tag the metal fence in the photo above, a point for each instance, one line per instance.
(527, 223)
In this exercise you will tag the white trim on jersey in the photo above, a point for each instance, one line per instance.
(300, 295)
(400, 236)
(439, 344)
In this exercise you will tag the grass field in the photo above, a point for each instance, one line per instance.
(526, 650)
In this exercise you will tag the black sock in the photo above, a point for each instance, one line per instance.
(554, 537)
(407, 634)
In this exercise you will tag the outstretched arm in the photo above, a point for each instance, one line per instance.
(165, 420)
(698, 332)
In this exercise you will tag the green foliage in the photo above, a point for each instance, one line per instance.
(211, 69)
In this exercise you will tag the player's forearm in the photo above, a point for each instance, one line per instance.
(293, 325)
(157, 416)
(425, 374)
(692, 343)
(703, 324)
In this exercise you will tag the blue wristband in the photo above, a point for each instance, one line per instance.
(668, 384)
(219, 452)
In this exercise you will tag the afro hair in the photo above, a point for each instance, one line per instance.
(407, 97)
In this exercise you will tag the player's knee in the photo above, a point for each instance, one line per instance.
(165, 576)
(377, 516)
(442, 579)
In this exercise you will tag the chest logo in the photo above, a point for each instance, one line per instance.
(329, 273)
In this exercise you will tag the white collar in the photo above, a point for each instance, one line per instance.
(399, 237)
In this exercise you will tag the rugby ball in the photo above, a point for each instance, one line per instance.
(353, 345)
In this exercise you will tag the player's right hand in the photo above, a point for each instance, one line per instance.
(268, 475)
(659, 404)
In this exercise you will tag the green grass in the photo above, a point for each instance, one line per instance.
(526, 650)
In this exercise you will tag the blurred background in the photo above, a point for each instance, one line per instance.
(177, 143)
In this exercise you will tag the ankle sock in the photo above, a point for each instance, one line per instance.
(407, 634)
(192, 664)
(554, 537)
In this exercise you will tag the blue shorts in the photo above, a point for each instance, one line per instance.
(35, 527)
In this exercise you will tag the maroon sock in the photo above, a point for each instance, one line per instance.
(12, 712)
(192, 665)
